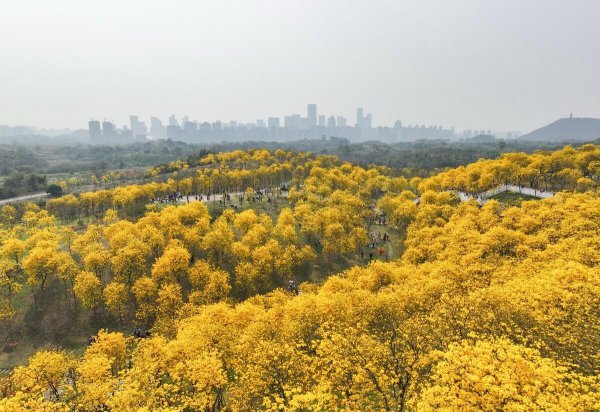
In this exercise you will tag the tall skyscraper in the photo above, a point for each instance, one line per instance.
(173, 120)
(126, 136)
(273, 122)
(133, 121)
(368, 121)
(359, 117)
(292, 121)
(174, 131)
(190, 130)
(137, 128)
(108, 130)
(331, 122)
(364, 122)
(287, 121)
(94, 131)
(312, 115)
(341, 121)
(156, 128)
(322, 120)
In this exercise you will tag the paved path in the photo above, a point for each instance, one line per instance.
(213, 198)
(484, 197)
(22, 198)
(217, 197)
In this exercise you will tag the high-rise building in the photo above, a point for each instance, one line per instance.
(174, 131)
(364, 123)
(398, 129)
(173, 120)
(137, 128)
(273, 122)
(126, 136)
(292, 121)
(94, 131)
(359, 116)
(156, 127)
(331, 122)
(312, 115)
(190, 130)
(260, 123)
(108, 130)
(322, 120)
(341, 121)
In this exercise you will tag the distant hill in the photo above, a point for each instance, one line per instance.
(572, 129)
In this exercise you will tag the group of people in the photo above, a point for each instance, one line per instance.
(170, 198)
(293, 287)
(375, 237)
(141, 333)
(138, 333)
(226, 198)
(381, 252)
(257, 197)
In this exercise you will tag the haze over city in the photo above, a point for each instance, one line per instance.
(299, 205)
(507, 65)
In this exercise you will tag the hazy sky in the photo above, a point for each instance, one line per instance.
(502, 64)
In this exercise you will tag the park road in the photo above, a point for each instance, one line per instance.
(22, 198)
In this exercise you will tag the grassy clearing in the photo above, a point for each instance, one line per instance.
(512, 199)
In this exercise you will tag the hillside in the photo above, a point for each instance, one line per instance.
(576, 129)
(292, 281)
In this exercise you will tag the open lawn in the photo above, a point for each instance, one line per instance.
(512, 199)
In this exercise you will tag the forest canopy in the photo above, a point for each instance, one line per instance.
(280, 280)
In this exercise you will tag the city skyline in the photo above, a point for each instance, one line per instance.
(296, 116)
(320, 119)
(313, 125)
(508, 65)
(293, 120)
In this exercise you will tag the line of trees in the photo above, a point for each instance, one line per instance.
(565, 169)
